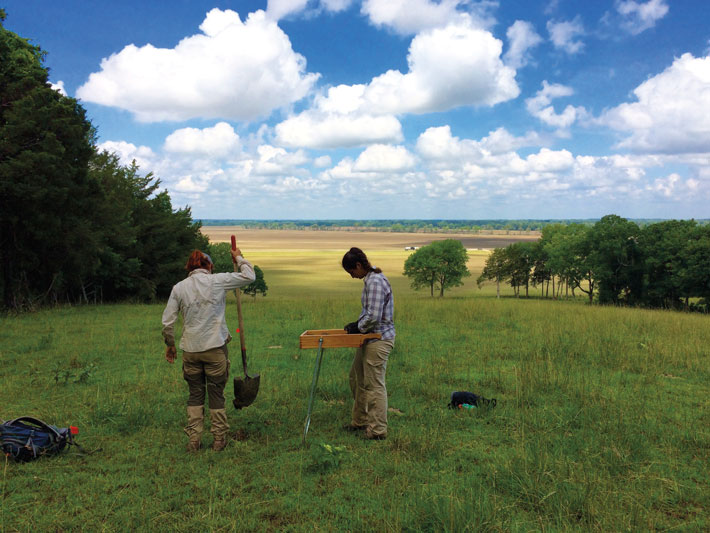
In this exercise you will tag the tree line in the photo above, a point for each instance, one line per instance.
(75, 224)
(413, 225)
(614, 261)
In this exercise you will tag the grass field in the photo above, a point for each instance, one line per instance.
(602, 422)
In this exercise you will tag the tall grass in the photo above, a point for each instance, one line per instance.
(602, 422)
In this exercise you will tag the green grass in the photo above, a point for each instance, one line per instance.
(602, 422)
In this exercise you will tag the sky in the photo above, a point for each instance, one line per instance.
(395, 109)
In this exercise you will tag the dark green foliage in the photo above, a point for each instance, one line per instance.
(144, 242)
(221, 257)
(440, 264)
(258, 286)
(45, 145)
(658, 265)
(617, 260)
(222, 260)
(74, 224)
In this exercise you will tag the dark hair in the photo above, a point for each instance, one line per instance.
(198, 260)
(354, 256)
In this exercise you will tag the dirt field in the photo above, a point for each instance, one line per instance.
(274, 240)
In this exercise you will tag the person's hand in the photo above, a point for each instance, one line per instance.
(170, 354)
(352, 328)
(235, 253)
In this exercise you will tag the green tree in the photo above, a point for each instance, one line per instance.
(495, 269)
(143, 243)
(616, 259)
(521, 259)
(665, 250)
(222, 260)
(221, 256)
(258, 285)
(441, 264)
(46, 240)
(695, 275)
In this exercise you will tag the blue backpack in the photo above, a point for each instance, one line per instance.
(26, 438)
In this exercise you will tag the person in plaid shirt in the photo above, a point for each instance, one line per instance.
(367, 374)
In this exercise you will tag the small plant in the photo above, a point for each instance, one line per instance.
(75, 373)
(326, 456)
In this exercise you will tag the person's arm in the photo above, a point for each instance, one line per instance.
(243, 277)
(374, 305)
(170, 316)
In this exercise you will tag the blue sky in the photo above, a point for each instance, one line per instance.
(458, 109)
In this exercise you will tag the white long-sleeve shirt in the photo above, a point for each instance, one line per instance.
(201, 300)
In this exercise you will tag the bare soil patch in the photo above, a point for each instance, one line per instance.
(268, 239)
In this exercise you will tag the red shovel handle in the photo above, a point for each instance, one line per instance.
(234, 245)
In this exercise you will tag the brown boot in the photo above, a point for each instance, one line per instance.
(220, 443)
(193, 446)
(194, 427)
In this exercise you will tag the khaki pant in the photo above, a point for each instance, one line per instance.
(367, 383)
(206, 372)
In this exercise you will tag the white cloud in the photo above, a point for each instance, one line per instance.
(217, 141)
(322, 161)
(278, 9)
(277, 161)
(127, 152)
(437, 144)
(521, 38)
(671, 111)
(59, 86)
(547, 160)
(233, 69)
(563, 35)
(540, 106)
(638, 16)
(384, 158)
(316, 129)
(413, 16)
(449, 67)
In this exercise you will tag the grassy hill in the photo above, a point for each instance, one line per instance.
(602, 422)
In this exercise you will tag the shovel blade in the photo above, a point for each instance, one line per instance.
(245, 390)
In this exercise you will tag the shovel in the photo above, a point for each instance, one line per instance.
(246, 388)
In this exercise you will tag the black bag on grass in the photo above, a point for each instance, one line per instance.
(26, 438)
(460, 398)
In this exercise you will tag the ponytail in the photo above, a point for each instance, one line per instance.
(354, 256)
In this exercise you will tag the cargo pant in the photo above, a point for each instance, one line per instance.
(367, 383)
(208, 372)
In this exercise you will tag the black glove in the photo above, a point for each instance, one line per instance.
(352, 328)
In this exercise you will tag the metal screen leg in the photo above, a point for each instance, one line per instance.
(316, 373)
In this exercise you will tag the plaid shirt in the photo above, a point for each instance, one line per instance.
(377, 306)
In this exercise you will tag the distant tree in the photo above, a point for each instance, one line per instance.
(441, 264)
(695, 276)
(221, 256)
(258, 285)
(222, 259)
(616, 259)
(521, 258)
(665, 250)
(496, 269)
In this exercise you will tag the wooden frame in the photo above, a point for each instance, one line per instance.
(334, 338)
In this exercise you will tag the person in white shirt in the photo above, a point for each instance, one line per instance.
(201, 300)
